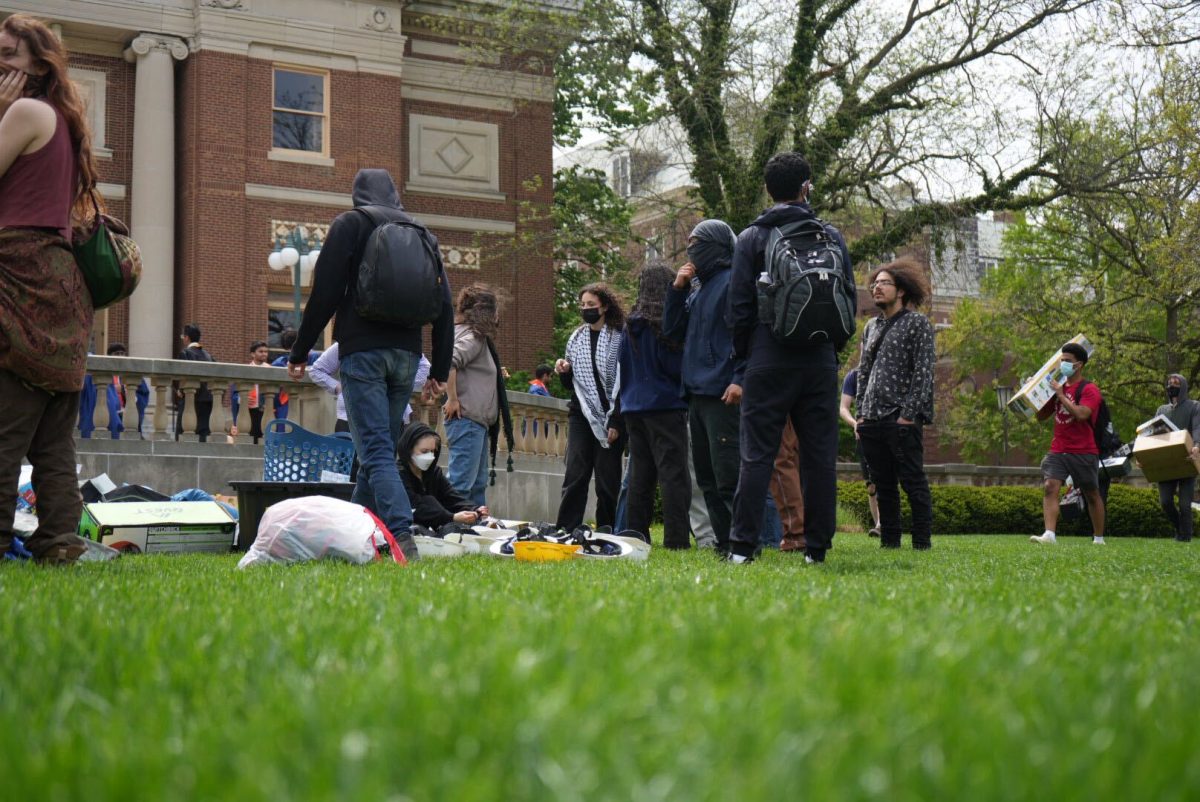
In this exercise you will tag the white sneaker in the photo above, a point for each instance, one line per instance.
(1044, 537)
(1098, 540)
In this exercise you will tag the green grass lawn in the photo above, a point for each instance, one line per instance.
(989, 668)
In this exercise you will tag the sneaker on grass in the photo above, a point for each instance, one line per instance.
(1098, 540)
(1044, 537)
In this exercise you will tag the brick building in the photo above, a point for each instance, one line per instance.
(224, 126)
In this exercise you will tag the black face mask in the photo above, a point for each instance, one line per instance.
(709, 258)
(1172, 392)
(590, 316)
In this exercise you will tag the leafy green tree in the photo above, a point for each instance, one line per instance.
(873, 93)
(1121, 266)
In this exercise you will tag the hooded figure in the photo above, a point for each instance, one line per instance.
(711, 375)
(434, 499)
(1181, 410)
(335, 276)
(695, 314)
(1185, 414)
(710, 248)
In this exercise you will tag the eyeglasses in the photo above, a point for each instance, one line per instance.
(882, 283)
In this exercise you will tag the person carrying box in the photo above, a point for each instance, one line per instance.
(1073, 450)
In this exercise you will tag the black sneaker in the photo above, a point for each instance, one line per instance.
(736, 559)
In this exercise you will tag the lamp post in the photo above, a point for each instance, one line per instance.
(297, 256)
(1004, 394)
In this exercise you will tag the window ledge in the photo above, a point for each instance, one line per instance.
(101, 152)
(296, 157)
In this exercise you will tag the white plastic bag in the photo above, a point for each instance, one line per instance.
(317, 528)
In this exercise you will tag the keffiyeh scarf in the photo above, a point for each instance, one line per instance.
(579, 354)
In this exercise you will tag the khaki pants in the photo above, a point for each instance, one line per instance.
(39, 426)
(785, 485)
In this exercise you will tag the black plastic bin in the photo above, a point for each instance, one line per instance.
(255, 497)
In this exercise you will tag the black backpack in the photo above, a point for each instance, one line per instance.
(1107, 439)
(400, 276)
(809, 294)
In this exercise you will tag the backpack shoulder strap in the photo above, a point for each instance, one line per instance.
(374, 214)
(884, 328)
(1079, 389)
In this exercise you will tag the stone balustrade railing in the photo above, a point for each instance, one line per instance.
(539, 424)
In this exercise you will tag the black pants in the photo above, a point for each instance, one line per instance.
(256, 416)
(716, 459)
(896, 457)
(805, 388)
(658, 451)
(586, 456)
(204, 408)
(1180, 515)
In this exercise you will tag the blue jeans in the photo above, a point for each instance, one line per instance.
(468, 470)
(377, 385)
(772, 528)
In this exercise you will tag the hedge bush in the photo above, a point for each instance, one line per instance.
(959, 510)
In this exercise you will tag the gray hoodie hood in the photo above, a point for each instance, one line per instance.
(375, 187)
(1185, 414)
(1183, 387)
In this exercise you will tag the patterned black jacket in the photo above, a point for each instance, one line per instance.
(895, 376)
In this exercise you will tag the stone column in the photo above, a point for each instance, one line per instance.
(151, 308)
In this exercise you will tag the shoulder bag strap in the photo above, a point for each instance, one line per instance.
(887, 327)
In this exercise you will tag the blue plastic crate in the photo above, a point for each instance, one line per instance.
(291, 453)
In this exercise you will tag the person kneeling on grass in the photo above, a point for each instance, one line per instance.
(434, 500)
(1073, 451)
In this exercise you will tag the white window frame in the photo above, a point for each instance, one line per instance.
(621, 175)
(95, 83)
(324, 115)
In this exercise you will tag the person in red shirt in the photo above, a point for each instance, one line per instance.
(1073, 450)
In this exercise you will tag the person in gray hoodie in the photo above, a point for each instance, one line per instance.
(1185, 414)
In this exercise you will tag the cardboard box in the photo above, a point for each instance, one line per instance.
(159, 526)
(1163, 457)
(1036, 391)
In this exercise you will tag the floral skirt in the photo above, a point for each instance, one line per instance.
(45, 310)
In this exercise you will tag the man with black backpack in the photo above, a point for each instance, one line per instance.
(381, 273)
(1076, 407)
(791, 308)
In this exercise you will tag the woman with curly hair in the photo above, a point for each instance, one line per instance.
(590, 371)
(47, 177)
(476, 398)
(654, 412)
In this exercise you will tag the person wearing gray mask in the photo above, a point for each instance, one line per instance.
(1185, 414)
(694, 314)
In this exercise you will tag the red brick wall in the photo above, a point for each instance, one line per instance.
(223, 239)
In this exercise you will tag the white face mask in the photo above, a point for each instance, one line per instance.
(423, 461)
